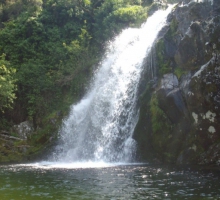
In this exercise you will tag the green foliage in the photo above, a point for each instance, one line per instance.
(12, 151)
(7, 84)
(161, 128)
(35, 47)
(147, 2)
(163, 64)
(173, 29)
(113, 15)
(179, 72)
(160, 123)
(11, 9)
(51, 43)
(130, 14)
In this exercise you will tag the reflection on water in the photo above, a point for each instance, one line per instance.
(46, 181)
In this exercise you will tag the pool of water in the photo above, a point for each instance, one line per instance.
(91, 181)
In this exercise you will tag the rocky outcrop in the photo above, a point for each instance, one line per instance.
(24, 129)
(180, 115)
(14, 145)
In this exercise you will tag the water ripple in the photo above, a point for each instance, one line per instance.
(115, 182)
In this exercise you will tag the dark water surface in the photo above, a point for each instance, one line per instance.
(112, 182)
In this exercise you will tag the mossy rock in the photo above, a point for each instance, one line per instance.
(9, 153)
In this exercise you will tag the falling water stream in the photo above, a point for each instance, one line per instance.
(95, 157)
(100, 126)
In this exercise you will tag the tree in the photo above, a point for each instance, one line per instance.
(7, 84)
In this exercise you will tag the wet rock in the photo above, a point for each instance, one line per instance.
(170, 98)
(211, 156)
(191, 51)
(203, 100)
(188, 101)
(186, 156)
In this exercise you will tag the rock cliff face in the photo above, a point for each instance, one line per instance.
(180, 107)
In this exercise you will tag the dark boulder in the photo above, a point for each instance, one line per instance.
(180, 117)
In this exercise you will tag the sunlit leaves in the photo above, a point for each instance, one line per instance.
(112, 16)
(87, 2)
(130, 14)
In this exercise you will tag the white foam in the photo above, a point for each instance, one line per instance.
(72, 165)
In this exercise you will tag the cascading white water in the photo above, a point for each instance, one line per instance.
(100, 126)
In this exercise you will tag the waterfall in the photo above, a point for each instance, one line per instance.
(100, 126)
